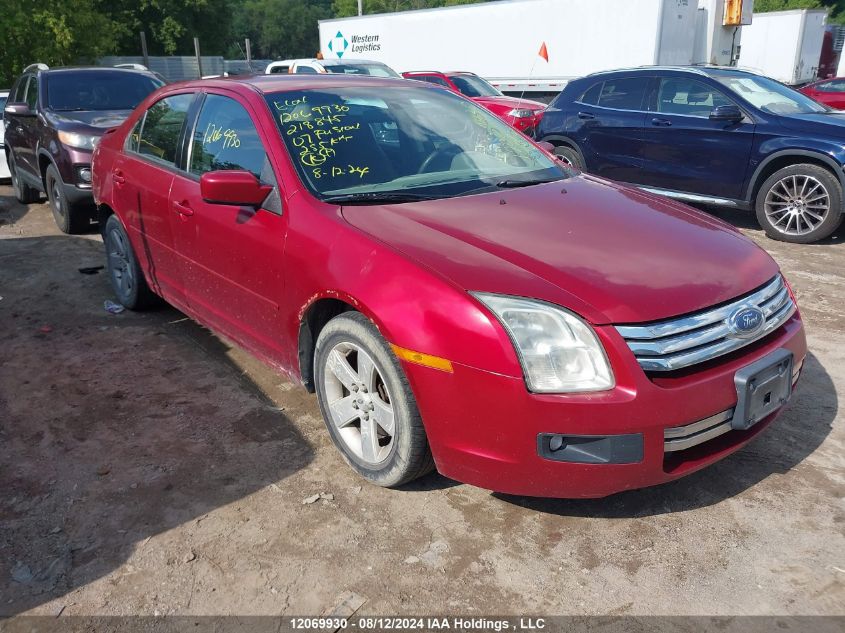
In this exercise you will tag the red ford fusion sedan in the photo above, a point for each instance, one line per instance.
(523, 114)
(456, 298)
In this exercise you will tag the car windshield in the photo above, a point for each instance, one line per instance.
(405, 140)
(98, 90)
(770, 96)
(474, 86)
(359, 68)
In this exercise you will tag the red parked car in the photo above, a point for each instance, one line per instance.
(523, 114)
(830, 92)
(456, 297)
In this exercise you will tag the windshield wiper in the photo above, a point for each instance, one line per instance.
(375, 197)
(511, 184)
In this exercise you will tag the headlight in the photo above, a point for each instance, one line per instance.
(80, 141)
(558, 351)
(520, 113)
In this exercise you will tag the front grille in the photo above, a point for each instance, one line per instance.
(678, 343)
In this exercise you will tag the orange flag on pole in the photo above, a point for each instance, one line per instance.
(544, 53)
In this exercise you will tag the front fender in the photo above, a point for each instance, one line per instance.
(412, 306)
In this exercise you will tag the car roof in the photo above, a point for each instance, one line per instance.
(701, 70)
(86, 69)
(267, 84)
(341, 62)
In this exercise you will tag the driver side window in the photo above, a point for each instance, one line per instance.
(678, 95)
(225, 138)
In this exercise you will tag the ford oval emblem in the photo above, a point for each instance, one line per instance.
(746, 322)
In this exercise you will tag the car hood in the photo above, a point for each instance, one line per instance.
(509, 103)
(93, 121)
(827, 123)
(610, 253)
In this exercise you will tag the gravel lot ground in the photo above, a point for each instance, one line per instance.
(148, 467)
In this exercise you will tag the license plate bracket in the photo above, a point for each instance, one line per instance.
(761, 388)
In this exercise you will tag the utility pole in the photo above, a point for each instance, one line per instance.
(248, 53)
(144, 49)
(360, 7)
(197, 53)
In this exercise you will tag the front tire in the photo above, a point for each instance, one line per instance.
(23, 192)
(367, 404)
(125, 274)
(800, 204)
(69, 218)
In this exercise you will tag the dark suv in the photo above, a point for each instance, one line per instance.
(54, 118)
(717, 136)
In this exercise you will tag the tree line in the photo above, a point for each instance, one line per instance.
(61, 32)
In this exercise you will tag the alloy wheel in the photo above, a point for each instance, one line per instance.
(56, 199)
(121, 268)
(797, 205)
(359, 403)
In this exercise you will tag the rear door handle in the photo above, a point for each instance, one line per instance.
(117, 176)
(586, 116)
(183, 209)
(661, 122)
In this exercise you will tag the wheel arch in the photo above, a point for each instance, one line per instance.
(785, 158)
(313, 317)
(104, 211)
(44, 162)
(561, 140)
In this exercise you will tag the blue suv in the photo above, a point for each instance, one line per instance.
(716, 136)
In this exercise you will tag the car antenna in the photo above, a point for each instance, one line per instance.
(544, 53)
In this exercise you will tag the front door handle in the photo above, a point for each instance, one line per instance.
(182, 208)
(661, 122)
(586, 116)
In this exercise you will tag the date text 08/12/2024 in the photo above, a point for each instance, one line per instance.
(381, 623)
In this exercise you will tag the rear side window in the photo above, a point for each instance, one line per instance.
(278, 70)
(225, 138)
(133, 141)
(306, 70)
(19, 91)
(591, 96)
(162, 128)
(32, 93)
(623, 94)
(432, 79)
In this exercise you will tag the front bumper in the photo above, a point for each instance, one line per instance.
(484, 428)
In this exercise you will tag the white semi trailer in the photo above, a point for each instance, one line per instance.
(501, 40)
(785, 45)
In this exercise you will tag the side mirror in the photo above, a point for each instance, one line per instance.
(726, 113)
(239, 188)
(18, 109)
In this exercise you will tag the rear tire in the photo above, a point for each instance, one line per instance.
(23, 192)
(69, 218)
(367, 404)
(569, 157)
(800, 204)
(125, 274)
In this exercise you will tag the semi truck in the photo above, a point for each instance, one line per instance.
(785, 45)
(530, 46)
